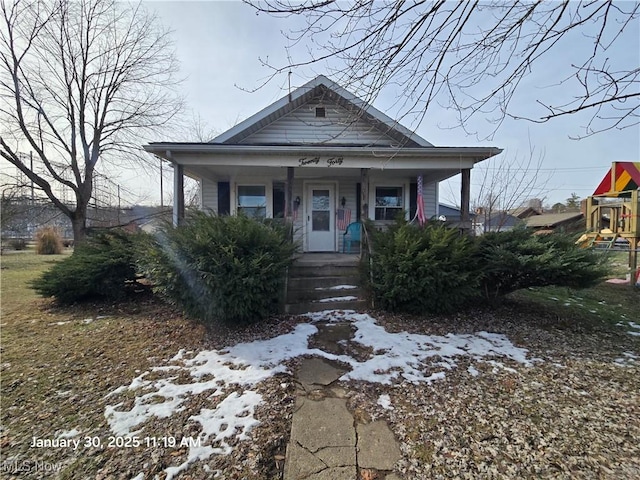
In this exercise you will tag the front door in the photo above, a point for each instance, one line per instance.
(321, 233)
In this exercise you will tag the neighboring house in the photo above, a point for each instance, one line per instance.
(321, 158)
(496, 222)
(524, 212)
(557, 222)
(452, 215)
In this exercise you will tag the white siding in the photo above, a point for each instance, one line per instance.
(430, 194)
(302, 126)
(209, 195)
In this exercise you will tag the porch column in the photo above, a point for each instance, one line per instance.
(364, 194)
(465, 195)
(178, 194)
(288, 196)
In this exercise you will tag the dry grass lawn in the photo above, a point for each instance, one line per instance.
(576, 414)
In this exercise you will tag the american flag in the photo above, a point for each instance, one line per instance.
(422, 219)
(343, 218)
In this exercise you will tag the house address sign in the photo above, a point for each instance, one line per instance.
(329, 162)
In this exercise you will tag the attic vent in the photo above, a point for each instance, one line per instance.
(321, 112)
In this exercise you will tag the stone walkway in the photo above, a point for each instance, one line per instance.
(327, 443)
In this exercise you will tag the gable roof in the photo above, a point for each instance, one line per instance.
(621, 177)
(452, 212)
(321, 86)
(524, 212)
(501, 219)
(550, 220)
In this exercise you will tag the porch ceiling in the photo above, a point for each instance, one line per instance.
(227, 172)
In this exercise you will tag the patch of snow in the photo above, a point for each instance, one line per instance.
(69, 433)
(628, 358)
(397, 357)
(60, 323)
(634, 326)
(216, 425)
(472, 371)
(346, 298)
(338, 287)
(140, 476)
(384, 401)
(87, 320)
(498, 365)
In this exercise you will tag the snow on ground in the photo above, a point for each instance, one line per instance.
(346, 298)
(384, 401)
(635, 328)
(69, 433)
(627, 359)
(338, 287)
(397, 357)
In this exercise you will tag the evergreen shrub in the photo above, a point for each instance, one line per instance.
(436, 270)
(419, 270)
(220, 268)
(103, 266)
(518, 258)
(48, 241)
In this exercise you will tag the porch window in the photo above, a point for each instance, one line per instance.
(278, 200)
(252, 201)
(389, 202)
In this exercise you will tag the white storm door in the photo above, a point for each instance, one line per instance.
(321, 221)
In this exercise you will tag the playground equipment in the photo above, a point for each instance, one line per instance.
(613, 212)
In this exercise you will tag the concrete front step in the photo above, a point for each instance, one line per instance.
(327, 270)
(312, 277)
(305, 307)
(295, 295)
(311, 283)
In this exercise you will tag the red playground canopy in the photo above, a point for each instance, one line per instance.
(622, 177)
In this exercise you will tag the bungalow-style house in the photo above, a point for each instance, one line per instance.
(321, 158)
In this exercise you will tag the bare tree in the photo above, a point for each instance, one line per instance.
(474, 56)
(507, 184)
(80, 82)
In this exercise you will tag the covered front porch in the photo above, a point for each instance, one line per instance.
(320, 198)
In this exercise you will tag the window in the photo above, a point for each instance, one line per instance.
(389, 202)
(252, 201)
(278, 200)
(321, 112)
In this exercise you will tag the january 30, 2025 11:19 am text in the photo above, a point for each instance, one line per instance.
(115, 442)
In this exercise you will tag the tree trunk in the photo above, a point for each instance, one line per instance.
(79, 224)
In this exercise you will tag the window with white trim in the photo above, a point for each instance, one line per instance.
(389, 202)
(252, 201)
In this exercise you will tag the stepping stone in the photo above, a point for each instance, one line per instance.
(316, 371)
(322, 443)
(337, 473)
(377, 447)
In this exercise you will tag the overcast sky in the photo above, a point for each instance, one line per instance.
(220, 44)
